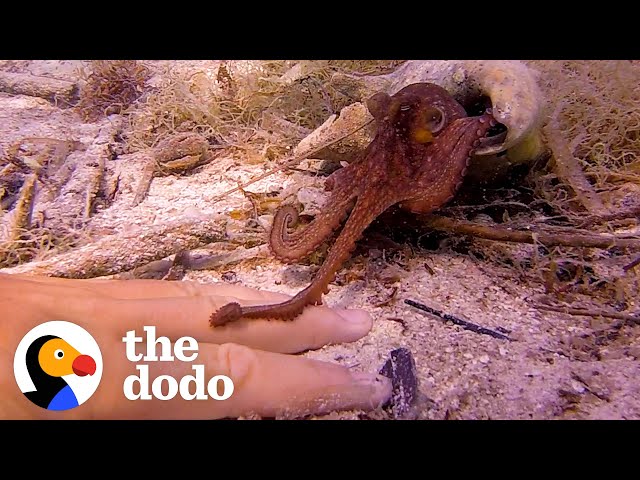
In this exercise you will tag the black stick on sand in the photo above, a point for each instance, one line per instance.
(458, 321)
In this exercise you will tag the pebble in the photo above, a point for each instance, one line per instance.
(577, 386)
(401, 369)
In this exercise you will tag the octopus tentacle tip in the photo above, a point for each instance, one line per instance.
(227, 313)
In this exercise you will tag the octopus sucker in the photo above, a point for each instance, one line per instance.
(402, 165)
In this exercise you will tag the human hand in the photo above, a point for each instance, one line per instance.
(253, 353)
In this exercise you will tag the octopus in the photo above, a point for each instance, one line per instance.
(417, 160)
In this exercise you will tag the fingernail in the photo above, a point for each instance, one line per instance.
(357, 324)
(381, 387)
(359, 317)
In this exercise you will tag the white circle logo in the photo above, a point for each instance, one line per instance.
(58, 365)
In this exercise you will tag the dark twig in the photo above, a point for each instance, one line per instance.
(389, 298)
(609, 217)
(550, 239)
(458, 321)
(633, 264)
(590, 313)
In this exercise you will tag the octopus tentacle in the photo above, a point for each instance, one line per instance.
(412, 161)
(438, 185)
(364, 212)
(290, 247)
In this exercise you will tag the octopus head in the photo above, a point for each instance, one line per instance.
(419, 112)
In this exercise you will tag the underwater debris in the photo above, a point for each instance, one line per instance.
(128, 250)
(333, 130)
(68, 186)
(23, 210)
(181, 152)
(568, 167)
(39, 155)
(111, 87)
(458, 321)
(175, 154)
(626, 317)
(93, 187)
(52, 89)
(28, 162)
(595, 106)
(632, 265)
(401, 369)
(243, 103)
(568, 237)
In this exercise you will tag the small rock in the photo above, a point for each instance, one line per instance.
(401, 369)
(266, 221)
(577, 386)
(229, 277)
(313, 200)
(484, 359)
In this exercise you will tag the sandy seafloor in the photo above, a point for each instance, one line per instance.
(549, 372)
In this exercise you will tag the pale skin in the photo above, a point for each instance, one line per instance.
(258, 355)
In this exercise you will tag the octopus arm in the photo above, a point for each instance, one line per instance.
(290, 246)
(366, 209)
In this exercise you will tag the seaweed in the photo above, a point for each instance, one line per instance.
(111, 87)
(260, 108)
(595, 105)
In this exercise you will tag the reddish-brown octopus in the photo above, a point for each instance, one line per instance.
(418, 158)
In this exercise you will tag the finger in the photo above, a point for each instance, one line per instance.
(264, 383)
(189, 316)
(143, 288)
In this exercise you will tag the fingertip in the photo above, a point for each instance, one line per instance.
(355, 324)
(381, 389)
(355, 391)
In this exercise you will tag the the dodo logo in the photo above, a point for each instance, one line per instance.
(58, 365)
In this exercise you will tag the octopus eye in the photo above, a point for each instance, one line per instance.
(404, 107)
(435, 119)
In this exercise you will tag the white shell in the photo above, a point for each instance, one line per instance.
(511, 85)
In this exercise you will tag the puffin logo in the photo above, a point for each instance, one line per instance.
(58, 365)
